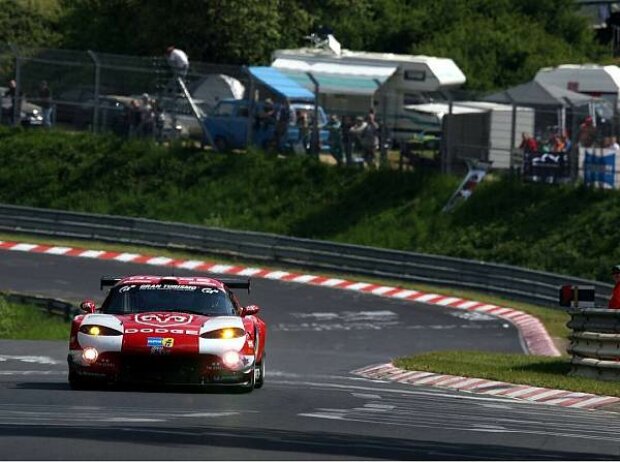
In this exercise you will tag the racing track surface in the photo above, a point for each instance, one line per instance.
(311, 406)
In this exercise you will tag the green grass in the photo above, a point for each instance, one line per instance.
(537, 371)
(24, 322)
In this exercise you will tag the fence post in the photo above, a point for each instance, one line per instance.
(250, 127)
(315, 137)
(93, 56)
(17, 99)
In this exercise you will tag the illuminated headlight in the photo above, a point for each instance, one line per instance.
(226, 333)
(90, 355)
(231, 359)
(98, 330)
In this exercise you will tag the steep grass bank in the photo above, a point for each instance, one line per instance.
(560, 229)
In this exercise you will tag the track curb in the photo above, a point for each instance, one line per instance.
(540, 395)
(535, 337)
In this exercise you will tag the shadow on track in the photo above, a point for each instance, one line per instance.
(168, 442)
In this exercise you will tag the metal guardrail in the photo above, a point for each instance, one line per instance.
(52, 306)
(517, 283)
(595, 343)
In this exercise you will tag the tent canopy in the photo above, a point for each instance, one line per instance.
(281, 84)
(336, 78)
(538, 94)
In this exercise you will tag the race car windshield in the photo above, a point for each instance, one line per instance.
(140, 298)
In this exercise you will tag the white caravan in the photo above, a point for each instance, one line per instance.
(590, 79)
(351, 82)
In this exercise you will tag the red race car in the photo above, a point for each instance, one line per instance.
(168, 330)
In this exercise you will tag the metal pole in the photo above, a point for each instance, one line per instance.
(17, 99)
(314, 140)
(250, 123)
(97, 89)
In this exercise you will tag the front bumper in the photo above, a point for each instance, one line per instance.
(150, 369)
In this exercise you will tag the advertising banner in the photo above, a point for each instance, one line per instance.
(599, 167)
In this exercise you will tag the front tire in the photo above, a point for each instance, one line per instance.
(259, 370)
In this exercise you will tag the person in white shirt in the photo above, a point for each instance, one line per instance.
(178, 61)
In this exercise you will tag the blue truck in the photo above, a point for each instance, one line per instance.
(230, 122)
(234, 123)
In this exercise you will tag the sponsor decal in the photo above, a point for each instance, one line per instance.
(176, 287)
(126, 288)
(160, 350)
(163, 319)
(147, 330)
(209, 290)
(154, 341)
(167, 342)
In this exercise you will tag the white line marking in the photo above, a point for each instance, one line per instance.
(157, 261)
(358, 286)
(249, 271)
(304, 278)
(91, 254)
(405, 293)
(29, 359)
(191, 264)
(332, 282)
(276, 275)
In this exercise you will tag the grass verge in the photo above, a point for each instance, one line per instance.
(25, 322)
(537, 371)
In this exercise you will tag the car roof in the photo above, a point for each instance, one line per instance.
(194, 281)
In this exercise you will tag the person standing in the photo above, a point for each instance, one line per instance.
(178, 61)
(11, 94)
(614, 301)
(45, 100)
(335, 138)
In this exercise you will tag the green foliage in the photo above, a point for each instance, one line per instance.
(25, 322)
(21, 24)
(497, 43)
(562, 229)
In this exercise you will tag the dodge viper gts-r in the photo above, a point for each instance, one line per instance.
(168, 330)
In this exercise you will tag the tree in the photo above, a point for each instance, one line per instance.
(21, 25)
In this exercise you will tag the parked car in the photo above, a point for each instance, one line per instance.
(229, 123)
(30, 114)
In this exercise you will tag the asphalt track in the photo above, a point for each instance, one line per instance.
(311, 406)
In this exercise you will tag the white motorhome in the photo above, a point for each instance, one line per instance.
(351, 82)
(590, 79)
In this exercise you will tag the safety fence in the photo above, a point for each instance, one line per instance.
(52, 306)
(517, 283)
(595, 343)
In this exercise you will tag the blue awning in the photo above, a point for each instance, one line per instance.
(281, 84)
(336, 78)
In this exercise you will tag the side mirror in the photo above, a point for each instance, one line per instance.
(88, 306)
(250, 309)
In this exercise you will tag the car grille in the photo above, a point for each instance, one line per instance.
(176, 370)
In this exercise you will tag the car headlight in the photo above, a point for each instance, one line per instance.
(99, 330)
(227, 333)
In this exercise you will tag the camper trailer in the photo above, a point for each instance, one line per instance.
(352, 82)
(590, 79)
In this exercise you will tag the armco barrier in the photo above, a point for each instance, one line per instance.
(52, 306)
(517, 283)
(595, 343)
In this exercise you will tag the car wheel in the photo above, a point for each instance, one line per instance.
(221, 144)
(259, 373)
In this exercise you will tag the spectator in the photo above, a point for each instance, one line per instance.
(284, 118)
(335, 138)
(147, 117)
(178, 61)
(11, 93)
(133, 118)
(587, 133)
(346, 125)
(356, 132)
(303, 124)
(528, 144)
(370, 139)
(613, 143)
(614, 301)
(45, 100)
